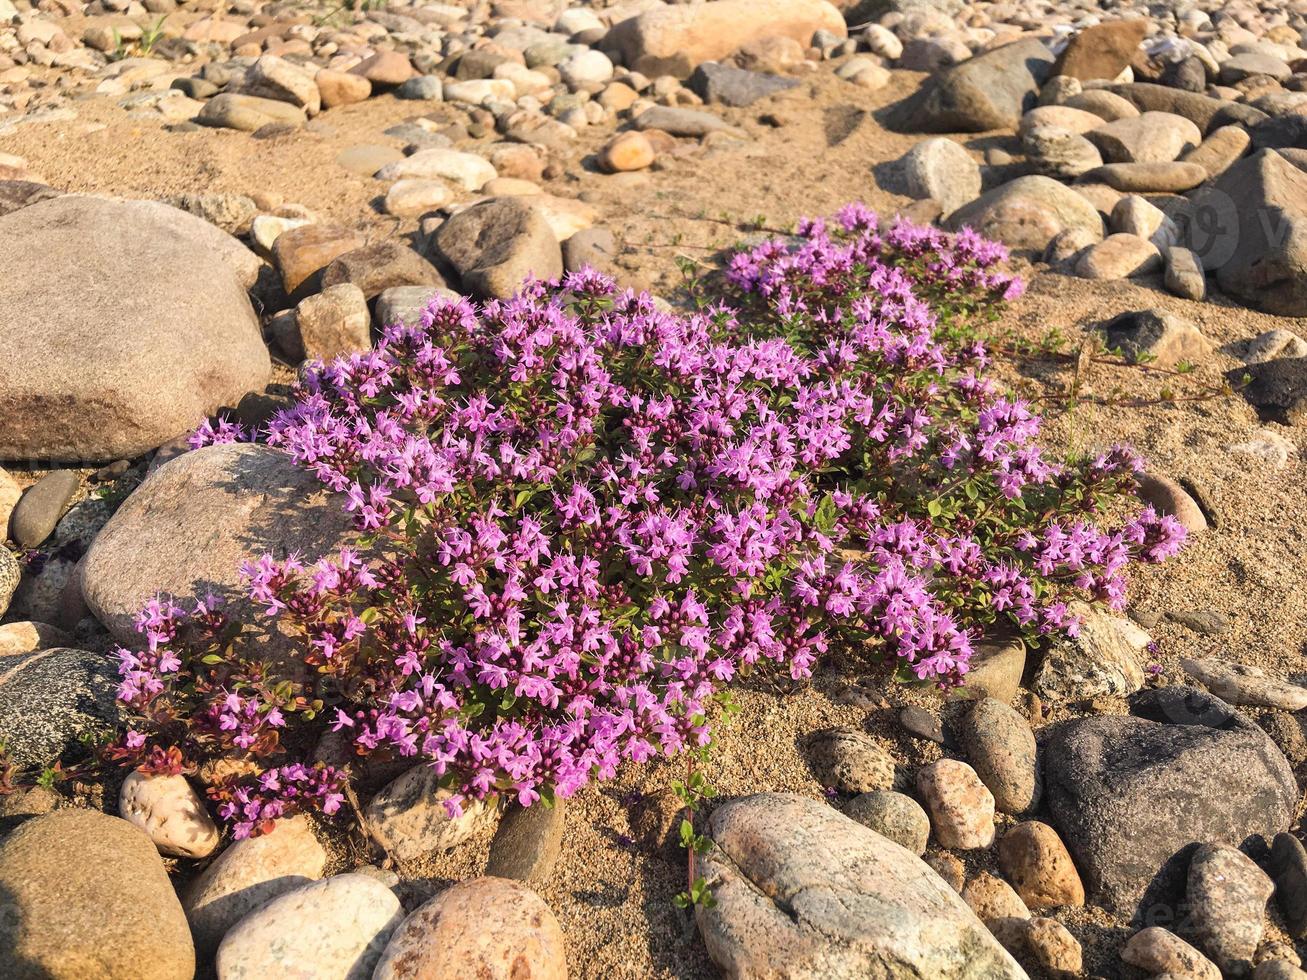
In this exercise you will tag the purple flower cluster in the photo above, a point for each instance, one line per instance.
(582, 516)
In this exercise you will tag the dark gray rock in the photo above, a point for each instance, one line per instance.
(1277, 389)
(18, 194)
(380, 266)
(989, 91)
(50, 698)
(719, 84)
(594, 247)
(1280, 132)
(1130, 795)
(922, 723)
(527, 842)
(1188, 74)
(892, 815)
(41, 506)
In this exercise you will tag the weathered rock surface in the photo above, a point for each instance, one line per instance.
(85, 896)
(1027, 213)
(498, 245)
(188, 528)
(49, 699)
(1130, 794)
(989, 91)
(118, 330)
(408, 817)
(802, 891)
(170, 812)
(1103, 659)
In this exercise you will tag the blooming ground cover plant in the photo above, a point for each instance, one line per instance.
(582, 516)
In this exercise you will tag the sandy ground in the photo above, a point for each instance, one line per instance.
(612, 893)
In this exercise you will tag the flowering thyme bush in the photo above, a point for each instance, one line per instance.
(582, 516)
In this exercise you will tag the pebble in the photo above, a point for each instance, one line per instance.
(1151, 137)
(850, 761)
(422, 88)
(626, 152)
(412, 197)
(248, 113)
(1184, 273)
(1135, 215)
(1289, 868)
(1165, 339)
(466, 170)
(1273, 344)
(1119, 256)
(892, 815)
(28, 637)
(1287, 733)
(338, 88)
(385, 69)
(326, 325)
(922, 723)
(488, 928)
(961, 806)
(949, 867)
(169, 810)
(1038, 864)
(39, 509)
(1227, 898)
(302, 252)
(1054, 949)
(334, 928)
(992, 898)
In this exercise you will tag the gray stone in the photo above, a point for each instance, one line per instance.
(409, 819)
(11, 574)
(18, 194)
(941, 170)
(1289, 867)
(1151, 137)
(50, 699)
(248, 113)
(681, 122)
(1272, 345)
(404, 304)
(1157, 951)
(1259, 250)
(1238, 684)
(989, 91)
(84, 895)
(593, 247)
(498, 245)
(326, 325)
(892, 815)
(1130, 794)
(380, 266)
(1227, 899)
(423, 88)
(528, 842)
(719, 84)
(188, 528)
(1059, 153)
(1184, 273)
(275, 78)
(1287, 734)
(1102, 660)
(803, 891)
(995, 671)
(1002, 750)
(849, 761)
(1243, 66)
(1118, 257)
(41, 506)
(1027, 213)
(118, 330)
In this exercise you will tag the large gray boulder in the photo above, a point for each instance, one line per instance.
(1251, 227)
(1131, 795)
(989, 91)
(120, 327)
(188, 528)
(803, 891)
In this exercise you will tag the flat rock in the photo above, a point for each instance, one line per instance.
(1148, 178)
(989, 91)
(301, 253)
(1059, 153)
(85, 895)
(1119, 256)
(194, 521)
(276, 78)
(1219, 150)
(231, 110)
(719, 84)
(121, 330)
(488, 928)
(801, 890)
(674, 40)
(50, 699)
(1289, 866)
(1130, 794)
(1027, 213)
(1102, 50)
(38, 510)
(336, 927)
(1151, 137)
(681, 122)
(380, 266)
(249, 874)
(1242, 685)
